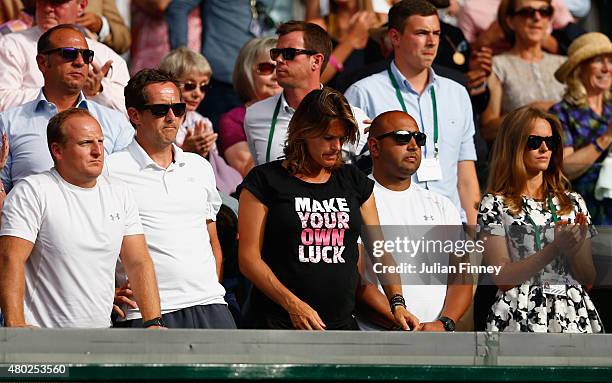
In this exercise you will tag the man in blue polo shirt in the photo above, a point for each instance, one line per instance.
(441, 106)
(63, 58)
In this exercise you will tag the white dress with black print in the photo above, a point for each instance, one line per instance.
(527, 307)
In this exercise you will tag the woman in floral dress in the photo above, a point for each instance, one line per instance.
(538, 231)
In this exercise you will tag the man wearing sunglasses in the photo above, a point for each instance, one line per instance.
(301, 54)
(20, 79)
(63, 55)
(178, 204)
(441, 106)
(395, 144)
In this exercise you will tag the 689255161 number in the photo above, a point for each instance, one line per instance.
(33, 370)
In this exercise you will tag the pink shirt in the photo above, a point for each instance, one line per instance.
(150, 41)
(231, 128)
(21, 80)
(477, 15)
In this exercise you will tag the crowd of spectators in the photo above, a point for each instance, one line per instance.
(230, 163)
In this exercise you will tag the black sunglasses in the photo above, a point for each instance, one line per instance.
(71, 54)
(402, 137)
(289, 53)
(265, 68)
(189, 86)
(534, 142)
(57, 2)
(161, 110)
(530, 12)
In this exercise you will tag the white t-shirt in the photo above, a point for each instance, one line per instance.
(174, 204)
(420, 208)
(77, 235)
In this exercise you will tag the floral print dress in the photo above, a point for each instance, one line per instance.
(529, 307)
(582, 126)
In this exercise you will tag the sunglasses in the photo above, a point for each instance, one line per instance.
(56, 2)
(71, 54)
(161, 110)
(545, 12)
(402, 137)
(534, 142)
(289, 53)
(265, 68)
(189, 86)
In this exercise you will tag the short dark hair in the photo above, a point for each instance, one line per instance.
(315, 37)
(44, 41)
(400, 12)
(135, 93)
(55, 127)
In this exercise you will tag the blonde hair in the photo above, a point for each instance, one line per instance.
(508, 174)
(243, 79)
(183, 61)
(575, 92)
(312, 119)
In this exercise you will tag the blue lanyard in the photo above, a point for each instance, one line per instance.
(434, 106)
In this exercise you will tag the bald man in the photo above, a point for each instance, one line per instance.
(395, 144)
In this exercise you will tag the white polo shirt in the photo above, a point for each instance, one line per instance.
(174, 204)
(258, 122)
(77, 235)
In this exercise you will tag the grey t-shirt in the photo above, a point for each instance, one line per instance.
(524, 82)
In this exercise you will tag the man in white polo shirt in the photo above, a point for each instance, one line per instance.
(62, 232)
(301, 54)
(178, 204)
(395, 145)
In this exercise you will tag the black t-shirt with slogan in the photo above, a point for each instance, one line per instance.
(310, 241)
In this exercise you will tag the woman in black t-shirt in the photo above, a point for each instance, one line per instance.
(299, 221)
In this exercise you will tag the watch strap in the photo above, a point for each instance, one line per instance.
(448, 323)
(159, 321)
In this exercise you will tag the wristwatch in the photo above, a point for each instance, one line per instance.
(449, 324)
(154, 322)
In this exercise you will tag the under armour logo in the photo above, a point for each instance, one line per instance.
(114, 217)
(428, 217)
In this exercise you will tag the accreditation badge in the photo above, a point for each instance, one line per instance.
(554, 284)
(430, 170)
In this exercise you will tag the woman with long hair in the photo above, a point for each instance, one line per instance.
(537, 231)
(299, 220)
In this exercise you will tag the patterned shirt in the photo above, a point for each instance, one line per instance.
(582, 126)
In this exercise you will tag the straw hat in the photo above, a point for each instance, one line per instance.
(583, 48)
